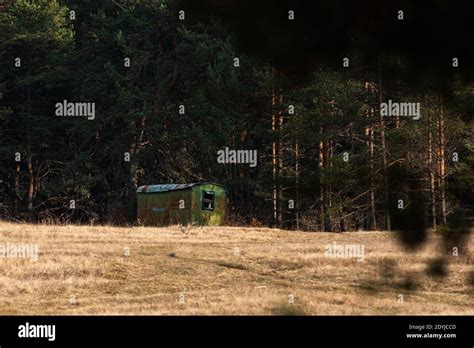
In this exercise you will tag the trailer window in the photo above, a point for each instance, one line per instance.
(208, 200)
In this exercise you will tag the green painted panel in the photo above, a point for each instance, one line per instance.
(202, 216)
(164, 208)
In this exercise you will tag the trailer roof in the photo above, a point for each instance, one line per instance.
(170, 187)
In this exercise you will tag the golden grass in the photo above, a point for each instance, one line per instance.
(84, 270)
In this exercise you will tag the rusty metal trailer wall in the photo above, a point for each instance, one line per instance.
(159, 205)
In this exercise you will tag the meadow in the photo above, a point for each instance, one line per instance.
(105, 270)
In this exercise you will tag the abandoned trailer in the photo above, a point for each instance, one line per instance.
(168, 204)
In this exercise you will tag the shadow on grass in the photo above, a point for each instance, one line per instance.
(288, 310)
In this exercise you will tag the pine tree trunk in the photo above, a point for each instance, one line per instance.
(442, 164)
(31, 184)
(274, 158)
(17, 188)
(297, 175)
(134, 151)
(242, 191)
(29, 167)
(372, 175)
(280, 162)
(369, 134)
(431, 173)
(329, 194)
(322, 202)
(384, 154)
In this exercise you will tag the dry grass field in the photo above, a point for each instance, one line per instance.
(225, 271)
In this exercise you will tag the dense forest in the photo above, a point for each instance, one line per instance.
(360, 116)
